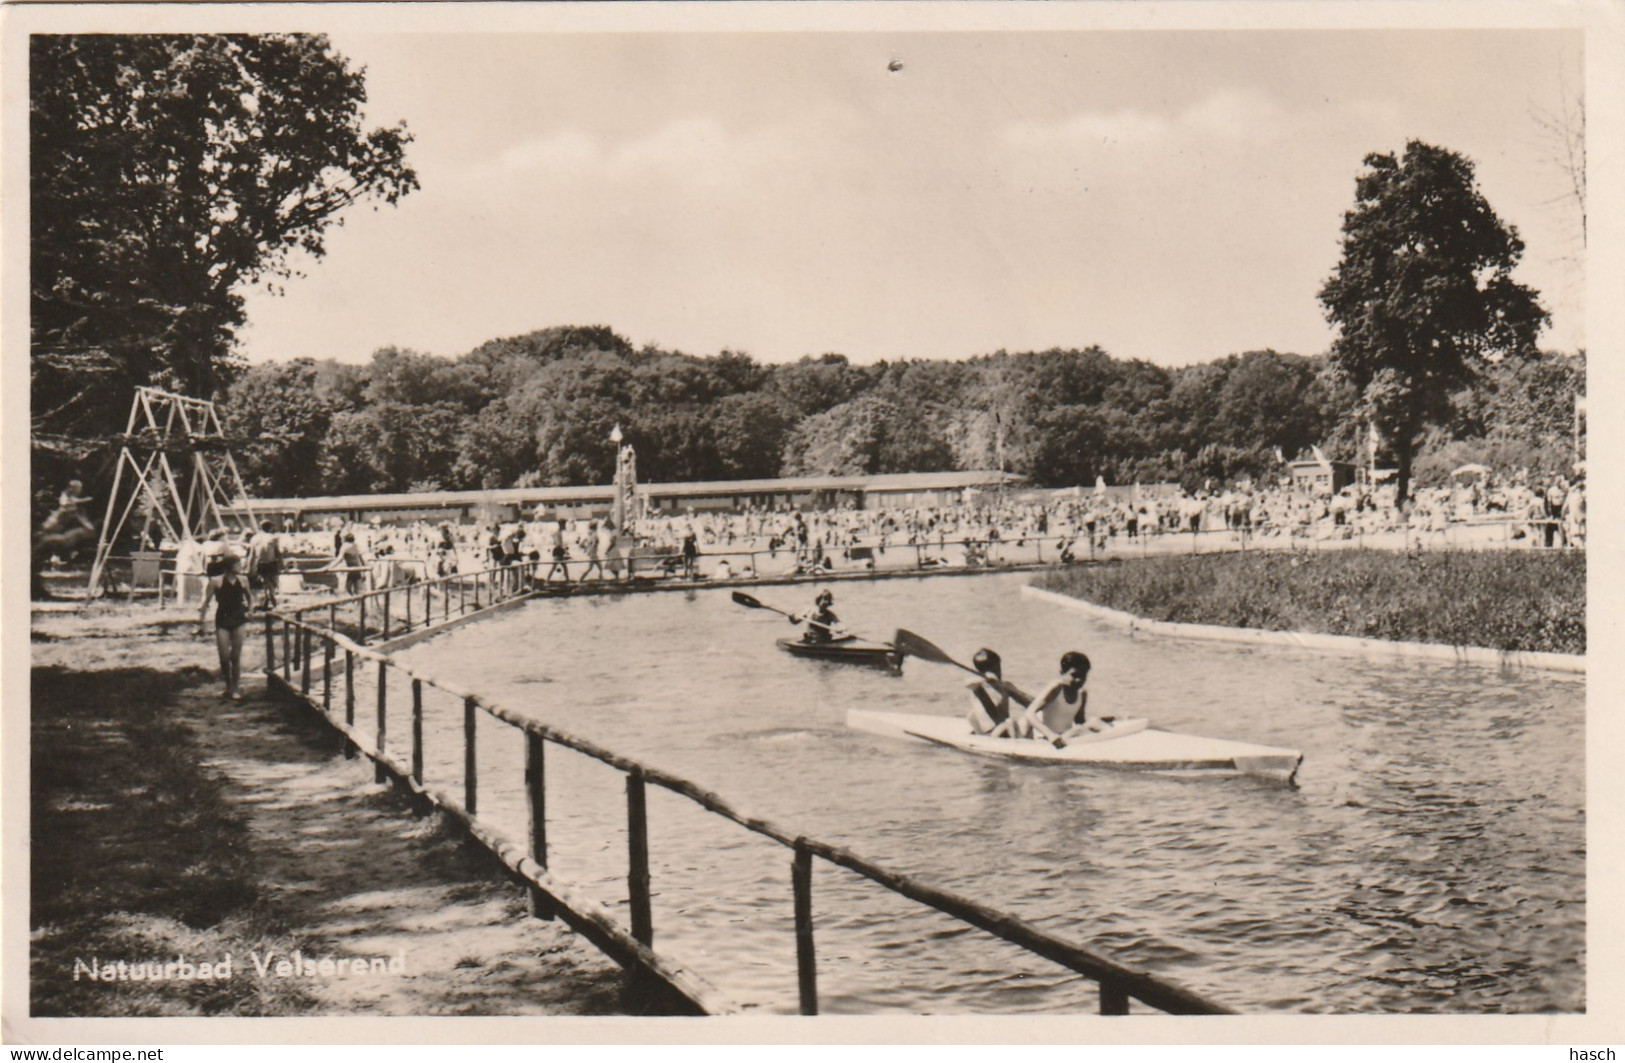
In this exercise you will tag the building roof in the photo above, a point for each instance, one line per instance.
(909, 481)
(1311, 463)
(431, 499)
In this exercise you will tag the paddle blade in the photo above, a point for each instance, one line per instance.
(747, 601)
(911, 645)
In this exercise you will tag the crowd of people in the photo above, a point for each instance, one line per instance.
(730, 545)
(238, 570)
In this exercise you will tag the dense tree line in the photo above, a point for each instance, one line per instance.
(538, 410)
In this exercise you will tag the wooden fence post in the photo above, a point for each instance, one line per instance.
(470, 759)
(637, 875)
(387, 617)
(304, 661)
(287, 656)
(333, 616)
(806, 963)
(381, 730)
(417, 730)
(536, 797)
(407, 594)
(361, 635)
(327, 675)
(270, 648)
(349, 698)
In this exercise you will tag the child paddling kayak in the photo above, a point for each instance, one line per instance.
(991, 713)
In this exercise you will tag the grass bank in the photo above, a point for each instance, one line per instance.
(1501, 599)
(142, 856)
(169, 824)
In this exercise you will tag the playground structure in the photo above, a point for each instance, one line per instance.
(182, 477)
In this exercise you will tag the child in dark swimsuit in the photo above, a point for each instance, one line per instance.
(230, 591)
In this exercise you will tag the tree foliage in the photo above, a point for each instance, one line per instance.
(1423, 297)
(538, 410)
(166, 174)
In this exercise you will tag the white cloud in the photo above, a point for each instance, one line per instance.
(1220, 116)
(692, 150)
(568, 150)
(1230, 114)
(1088, 130)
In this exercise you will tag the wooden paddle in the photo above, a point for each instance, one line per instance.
(911, 645)
(751, 603)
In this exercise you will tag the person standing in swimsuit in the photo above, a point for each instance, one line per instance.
(691, 553)
(553, 547)
(234, 599)
(590, 543)
(609, 543)
(265, 569)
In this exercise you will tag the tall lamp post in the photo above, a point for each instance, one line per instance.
(623, 508)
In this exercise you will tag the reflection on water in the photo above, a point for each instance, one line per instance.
(1432, 858)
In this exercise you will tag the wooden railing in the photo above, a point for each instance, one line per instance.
(391, 611)
(301, 640)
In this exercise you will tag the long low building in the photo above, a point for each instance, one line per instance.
(894, 490)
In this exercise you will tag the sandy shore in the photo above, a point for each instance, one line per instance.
(169, 824)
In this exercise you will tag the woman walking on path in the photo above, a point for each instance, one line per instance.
(231, 591)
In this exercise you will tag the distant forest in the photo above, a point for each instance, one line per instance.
(538, 410)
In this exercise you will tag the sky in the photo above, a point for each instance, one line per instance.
(1174, 196)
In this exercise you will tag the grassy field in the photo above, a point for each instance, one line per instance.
(1502, 599)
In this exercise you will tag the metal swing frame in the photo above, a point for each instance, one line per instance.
(190, 496)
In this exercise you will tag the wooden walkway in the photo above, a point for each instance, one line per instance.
(216, 827)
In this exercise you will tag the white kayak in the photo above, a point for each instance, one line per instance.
(1127, 744)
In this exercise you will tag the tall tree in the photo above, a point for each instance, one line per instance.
(814, 385)
(1423, 297)
(868, 435)
(166, 174)
(286, 412)
(751, 430)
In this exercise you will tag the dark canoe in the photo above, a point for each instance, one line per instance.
(847, 651)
